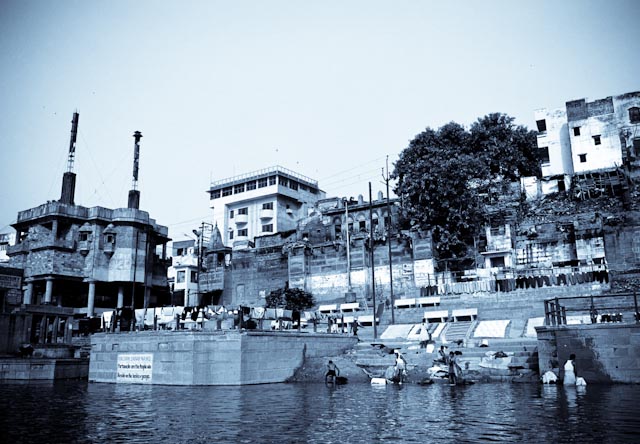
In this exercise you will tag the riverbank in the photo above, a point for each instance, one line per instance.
(479, 364)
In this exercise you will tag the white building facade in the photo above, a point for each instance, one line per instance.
(261, 203)
(586, 136)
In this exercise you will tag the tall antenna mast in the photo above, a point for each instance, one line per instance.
(134, 194)
(72, 142)
(69, 177)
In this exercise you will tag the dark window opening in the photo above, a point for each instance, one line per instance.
(544, 155)
(251, 185)
(576, 130)
(542, 125)
(362, 225)
(239, 188)
(215, 194)
(227, 191)
(272, 180)
(262, 182)
(597, 140)
(561, 185)
(497, 262)
(231, 214)
(243, 232)
(267, 206)
(268, 228)
(582, 157)
(244, 210)
(634, 114)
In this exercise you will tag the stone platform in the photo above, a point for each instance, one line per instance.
(229, 357)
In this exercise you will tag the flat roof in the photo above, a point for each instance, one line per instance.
(263, 173)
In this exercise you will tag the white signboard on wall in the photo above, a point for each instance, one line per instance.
(423, 272)
(135, 368)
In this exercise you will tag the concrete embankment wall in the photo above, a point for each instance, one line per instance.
(32, 369)
(605, 353)
(207, 358)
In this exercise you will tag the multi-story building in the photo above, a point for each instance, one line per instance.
(583, 137)
(6, 239)
(77, 260)
(261, 203)
(183, 273)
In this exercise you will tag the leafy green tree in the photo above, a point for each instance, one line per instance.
(445, 174)
(290, 299)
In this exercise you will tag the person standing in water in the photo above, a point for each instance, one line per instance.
(570, 371)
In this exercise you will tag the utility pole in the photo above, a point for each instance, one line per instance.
(346, 222)
(386, 179)
(373, 273)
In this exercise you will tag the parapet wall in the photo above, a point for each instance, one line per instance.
(605, 353)
(207, 358)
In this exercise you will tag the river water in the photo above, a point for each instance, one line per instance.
(80, 412)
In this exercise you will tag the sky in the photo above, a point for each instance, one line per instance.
(329, 89)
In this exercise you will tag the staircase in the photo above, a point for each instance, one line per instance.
(457, 331)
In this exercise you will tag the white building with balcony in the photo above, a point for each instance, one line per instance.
(261, 203)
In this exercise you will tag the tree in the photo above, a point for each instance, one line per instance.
(290, 299)
(445, 174)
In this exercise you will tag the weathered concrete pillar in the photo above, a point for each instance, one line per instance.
(49, 291)
(120, 303)
(91, 298)
(28, 291)
(68, 331)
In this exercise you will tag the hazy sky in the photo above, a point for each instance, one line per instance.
(325, 88)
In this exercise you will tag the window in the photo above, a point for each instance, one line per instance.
(238, 188)
(338, 231)
(283, 181)
(362, 225)
(243, 232)
(231, 214)
(576, 130)
(262, 182)
(110, 238)
(244, 210)
(228, 191)
(497, 262)
(84, 237)
(582, 157)
(267, 206)
(181, 251)
(251, 185)
(230, 235)
(636, 147)
(544, 155)
(194, 276)
(215, 194)
(268, 228)
(293, 185)
(542, 125)
(272, 180)
(596, 140)
(180, 276)
(634, 114)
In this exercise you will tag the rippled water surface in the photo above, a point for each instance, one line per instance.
(79, 412)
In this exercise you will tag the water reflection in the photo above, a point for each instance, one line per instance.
(316, 413)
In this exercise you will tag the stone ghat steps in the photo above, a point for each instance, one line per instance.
(375, 359)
